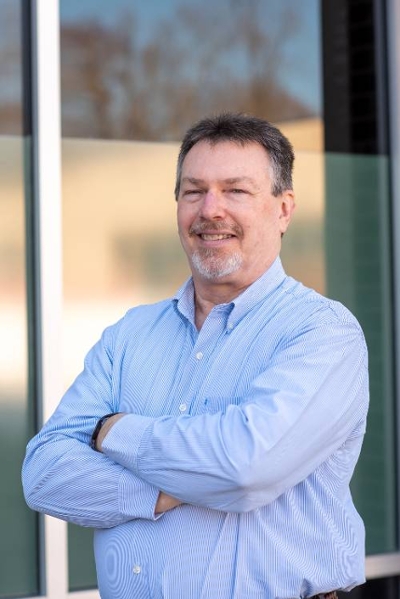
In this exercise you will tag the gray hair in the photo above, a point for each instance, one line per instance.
(243, 129)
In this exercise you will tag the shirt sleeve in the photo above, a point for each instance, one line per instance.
(311, 397)
(63, 477)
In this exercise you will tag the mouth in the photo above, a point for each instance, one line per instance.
(215, 232)
(215, 236)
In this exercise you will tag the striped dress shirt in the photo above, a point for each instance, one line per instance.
(255, 423)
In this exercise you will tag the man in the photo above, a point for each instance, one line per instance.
(211, 437)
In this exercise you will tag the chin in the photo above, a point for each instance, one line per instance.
(214, 269)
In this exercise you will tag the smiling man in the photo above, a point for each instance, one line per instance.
(211, 438)
(230, 223)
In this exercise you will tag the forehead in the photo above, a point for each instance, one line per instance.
(226, 159)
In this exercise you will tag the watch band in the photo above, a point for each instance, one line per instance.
(97, 429)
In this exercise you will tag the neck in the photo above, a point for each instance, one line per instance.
(209, 295)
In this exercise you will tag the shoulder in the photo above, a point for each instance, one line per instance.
(147, 311)
(304, 315)
(313, 306)
(135, 321)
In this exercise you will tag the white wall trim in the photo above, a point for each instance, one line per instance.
(382, 566)
(84, 595)
(47, 188)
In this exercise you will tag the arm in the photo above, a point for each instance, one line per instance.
(62, 476)
(164, 502)
(309, 400)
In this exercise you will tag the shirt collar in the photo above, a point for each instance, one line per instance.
(241, 305)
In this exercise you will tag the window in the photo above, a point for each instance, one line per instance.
(134, 76)
(19, 540)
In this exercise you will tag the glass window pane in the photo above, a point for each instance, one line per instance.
(358, 230)
(134, 76)
(137, 74)
(18, 539)
(10, 68)
(146, 71)
(358, 274)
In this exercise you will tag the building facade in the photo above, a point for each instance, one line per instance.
(94, 98)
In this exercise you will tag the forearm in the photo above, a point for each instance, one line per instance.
(164, 502)
(66, 479)
(62, 476)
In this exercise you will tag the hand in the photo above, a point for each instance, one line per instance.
(106, 428)
(165, 503)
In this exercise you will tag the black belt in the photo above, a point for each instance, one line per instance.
(331, 595)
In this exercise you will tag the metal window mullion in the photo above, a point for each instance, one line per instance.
(47, 190)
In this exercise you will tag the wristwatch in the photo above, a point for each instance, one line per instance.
(97, 429)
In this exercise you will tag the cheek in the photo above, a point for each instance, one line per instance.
(264, 227)
(184, 221)
(181, 218)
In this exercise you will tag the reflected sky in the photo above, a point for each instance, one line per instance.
(299, 70)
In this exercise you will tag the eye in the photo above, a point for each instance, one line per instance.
(237, 191)
(191, 194)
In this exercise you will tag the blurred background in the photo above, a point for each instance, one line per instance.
(133, 77)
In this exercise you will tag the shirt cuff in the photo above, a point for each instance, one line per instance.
(122, 442)
(136, 498)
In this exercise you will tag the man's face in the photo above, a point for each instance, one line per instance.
(230, 224)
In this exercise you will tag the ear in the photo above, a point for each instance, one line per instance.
(287, 206)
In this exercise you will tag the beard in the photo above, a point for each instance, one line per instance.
(211, 265)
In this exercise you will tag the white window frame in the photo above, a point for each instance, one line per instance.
(47, 188)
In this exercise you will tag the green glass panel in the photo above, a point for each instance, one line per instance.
(18, 541)
(19, 572)
(357, 236)
(80, 558)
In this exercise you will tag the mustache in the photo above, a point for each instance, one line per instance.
(216, 226)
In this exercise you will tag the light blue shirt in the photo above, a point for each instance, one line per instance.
(255, 422)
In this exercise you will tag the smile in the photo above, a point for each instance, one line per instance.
(216, 237)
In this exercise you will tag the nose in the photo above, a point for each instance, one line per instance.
(212, 205)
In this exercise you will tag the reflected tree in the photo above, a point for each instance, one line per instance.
(203, 58)
(10, 68)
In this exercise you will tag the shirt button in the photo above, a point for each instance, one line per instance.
(182, 407)
(199, 355)
(136, 569)
(230, 326)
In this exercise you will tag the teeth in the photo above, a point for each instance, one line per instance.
(215, 237)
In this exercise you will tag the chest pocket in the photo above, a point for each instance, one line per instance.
(211, 405)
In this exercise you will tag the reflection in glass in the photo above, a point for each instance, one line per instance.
(10, 68)
(121, 248)
(146, 72)
(18, 539)
(358, 274)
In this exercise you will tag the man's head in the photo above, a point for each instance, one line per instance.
(243, 129)
(235, 199)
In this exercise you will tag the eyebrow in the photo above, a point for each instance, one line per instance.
(230, 180)
(233, 180)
